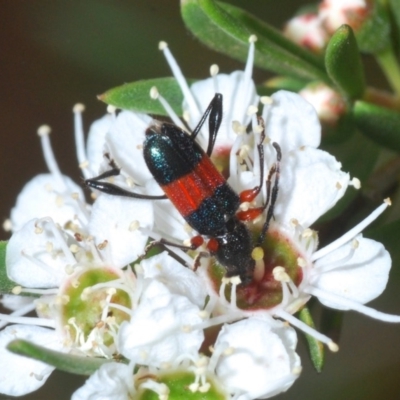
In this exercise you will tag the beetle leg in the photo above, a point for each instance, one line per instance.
(214, 112)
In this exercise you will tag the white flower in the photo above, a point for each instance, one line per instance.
(51, 254)
(259, 360)
(160, 327)
(110, 381)
(21, 375)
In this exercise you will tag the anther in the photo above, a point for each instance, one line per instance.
(111, 109)
(214, 69)
(266, 100)
(78, 108)
(44, 130)
(301, 262)
(7, 225)
(252, 39)
(333, 347)
(338, 185)
(16, 290)
(388, 201)
(162, 45)
(252, 110)
(280, 274)
(154, 93)
(133, 226)
(257, 253)
(356, 183)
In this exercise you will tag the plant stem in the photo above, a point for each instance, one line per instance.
(388, 62)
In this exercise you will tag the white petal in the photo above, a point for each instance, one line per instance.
(361, 278)
(21, 375)
(13, 302)
(155, 334)
(263, 360)
(48, 271)
(176, 277)
(110, 381)
(236, 99)
(292, 122)
(96, 140)
(125, 141)
(311, 183)
(114, 219)
(42, 196)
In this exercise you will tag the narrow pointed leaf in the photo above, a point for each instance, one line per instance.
(227, 29)
(378, 123)
(6, 285)
(343, 63)
(316, 348)
(64, 362)
(135, 96)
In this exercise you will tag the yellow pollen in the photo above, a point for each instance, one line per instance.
(338, 185)
(257, 253)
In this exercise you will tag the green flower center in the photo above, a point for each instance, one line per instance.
(87, 307)
(264, 292)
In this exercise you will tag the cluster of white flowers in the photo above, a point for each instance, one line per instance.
(166, 321)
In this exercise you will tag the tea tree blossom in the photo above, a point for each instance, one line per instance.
(59, 257)
(170, 323)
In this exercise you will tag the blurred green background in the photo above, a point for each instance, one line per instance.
(56, 53)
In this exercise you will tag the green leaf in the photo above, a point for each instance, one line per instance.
(64, 362)
(378, 123)
(343, 63)
(6, 285)
(227, 29)
(316, 348)
(373, 36)
(395, 12)
(135, 96)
